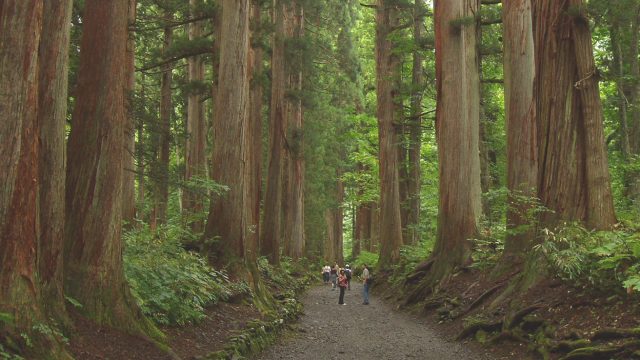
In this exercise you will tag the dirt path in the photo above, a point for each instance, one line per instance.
(355, 331)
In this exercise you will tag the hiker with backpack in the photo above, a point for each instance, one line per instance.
(348, 273)
(366, 281)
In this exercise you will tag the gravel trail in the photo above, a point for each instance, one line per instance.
(355, 331)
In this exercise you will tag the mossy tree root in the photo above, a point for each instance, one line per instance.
(471, 329)
(604, 351)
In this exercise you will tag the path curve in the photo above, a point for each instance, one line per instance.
(355, 331)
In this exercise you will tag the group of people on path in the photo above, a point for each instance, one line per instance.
(341, 278)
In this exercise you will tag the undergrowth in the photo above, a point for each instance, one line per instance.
(171, 285)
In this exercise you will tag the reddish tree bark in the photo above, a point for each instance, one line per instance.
(457, 126)
(195, 158)
(270, 240)
(94, 273)
(522, 156)
(230, 216)
(52, 116)
(573, 178)
(386, 74)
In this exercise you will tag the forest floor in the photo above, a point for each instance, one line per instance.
(555, 317)
(90, 342)
(356, 331)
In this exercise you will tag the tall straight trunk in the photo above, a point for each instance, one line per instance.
(618, 70)
(374, 239)
(330, 242)
(52, 115)
(522, 157)
(573, 178)
(230, 216)
(270, 241)
(255, 123)
(338, 222)
(140, 152)
(483, 144)
(129, 176)
(457, 127)
(166, 111)
(294, 217)
(386, 73)
(94, 272)
(195, 158)
(415, 131)
(633, 190)
(20, 291)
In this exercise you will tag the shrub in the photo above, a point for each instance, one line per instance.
(171, 285)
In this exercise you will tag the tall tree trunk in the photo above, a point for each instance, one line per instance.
(633, 190)
(230, 216)
(485, 161)
(255, 120)
(195, 158)
(573, 173)
(166, 111)
(415, 130)
(374, 239)
(386, 64)
(21, 24)
(270, 241)
(94, 273)
(140, 151)
(338, 223)
(457, 126)
(52, 115)
(618, 70)
(330, 243)
(522, 157)
(294, 217)
(129, 176)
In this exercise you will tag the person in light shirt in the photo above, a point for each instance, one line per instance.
(366, 282)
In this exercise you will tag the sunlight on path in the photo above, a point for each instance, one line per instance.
(355, 331)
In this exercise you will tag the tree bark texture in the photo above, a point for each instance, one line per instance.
(415, 131)
(230, 216)
(255, 124)
(20, 29)
(52, 116)
(195, 157)
(457, 127)
(386, 65)
(94, 273)
(522, 153)
(573, 178)
(166, 112)
(270, 241)
(129, 175)
(294, 216)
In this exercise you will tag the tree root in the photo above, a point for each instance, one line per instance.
(603, 352)
(488, 326)
(480, 300)
(566, 346)
(613, 334)
(519, 316)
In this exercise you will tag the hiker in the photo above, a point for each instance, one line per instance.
(366, 281)
(348, 273)
(342, 284)
(334, 276)
(326, 273)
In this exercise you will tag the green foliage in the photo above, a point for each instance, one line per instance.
(368, 258)
(171, 285)
(603, 260)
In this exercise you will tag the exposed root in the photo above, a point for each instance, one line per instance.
(481, 299)
(604, 352)
(567, 346)
(613, 334)
(488, 326)
(519, 316)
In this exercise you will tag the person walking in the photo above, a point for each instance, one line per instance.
(326, 273)
(348, 274)
(342, 284)
(334, 276)
(366, 282)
